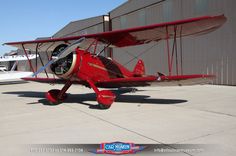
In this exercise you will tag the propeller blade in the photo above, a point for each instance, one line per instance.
(61, 55)
(43, 68)
(69, 49)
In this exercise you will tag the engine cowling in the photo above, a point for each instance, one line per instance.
(63, 67)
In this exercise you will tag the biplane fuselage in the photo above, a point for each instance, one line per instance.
(97, 68)
(93, 71)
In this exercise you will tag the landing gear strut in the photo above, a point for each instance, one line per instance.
(105, 98)
(56, 96)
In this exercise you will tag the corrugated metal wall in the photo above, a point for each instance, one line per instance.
(208, 54)
(86, 26)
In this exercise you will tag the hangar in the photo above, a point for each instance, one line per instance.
(208, 54)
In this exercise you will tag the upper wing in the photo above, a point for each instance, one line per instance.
(135, 36)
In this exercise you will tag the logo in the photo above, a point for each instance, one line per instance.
(117, 148)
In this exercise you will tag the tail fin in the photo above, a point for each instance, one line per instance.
(139, 69)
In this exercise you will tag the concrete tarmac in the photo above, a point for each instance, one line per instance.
(201, 114)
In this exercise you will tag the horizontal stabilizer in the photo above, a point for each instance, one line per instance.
(183, 80)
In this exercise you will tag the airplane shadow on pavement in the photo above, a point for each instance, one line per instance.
(85, 98)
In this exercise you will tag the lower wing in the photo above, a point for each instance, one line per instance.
(179, 80)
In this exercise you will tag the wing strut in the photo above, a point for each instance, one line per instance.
(26, 54)
(168, 50)
(172, 54)
(181, 50)
(48, 55)
(103, 50)
(94, 43)
(174, 50)
(36, 61)
(40, 58)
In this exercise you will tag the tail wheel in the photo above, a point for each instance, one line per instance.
(53, 96)
(105, 99)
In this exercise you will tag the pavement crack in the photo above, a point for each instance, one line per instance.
(126, 129)
(205, 135)
(220, 113)
(209, 111)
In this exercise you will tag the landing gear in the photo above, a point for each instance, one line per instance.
(56, 96)
(53, 98)
(105, 98)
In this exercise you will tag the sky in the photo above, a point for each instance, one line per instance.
(28, 19)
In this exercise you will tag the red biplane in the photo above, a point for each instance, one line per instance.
(73, 62)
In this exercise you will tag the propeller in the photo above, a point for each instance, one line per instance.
(61, 55)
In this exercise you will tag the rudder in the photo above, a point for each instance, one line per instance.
(139, 69)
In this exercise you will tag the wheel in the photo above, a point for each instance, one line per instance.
(102, 106)
(105, 98)
(52, 97)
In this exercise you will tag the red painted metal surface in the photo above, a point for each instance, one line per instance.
(139, 69)
(99, 69)
(106, 98)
